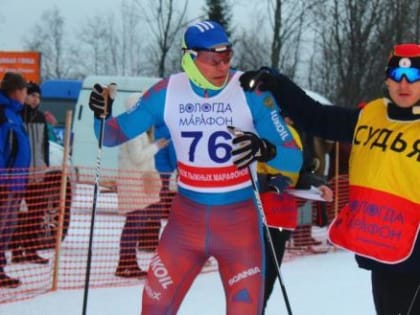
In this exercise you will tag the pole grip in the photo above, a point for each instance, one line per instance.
(108, 92)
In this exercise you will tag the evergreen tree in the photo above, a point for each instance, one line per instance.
(219, 11)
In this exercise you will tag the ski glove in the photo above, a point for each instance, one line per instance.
(273, 182)
(97, 100)
(248, 147)
(279, 183)
(264, 79)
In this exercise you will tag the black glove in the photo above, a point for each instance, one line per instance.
(97, 100)
(279, 183)
(276, 183)
(264, 79)
(248, 147)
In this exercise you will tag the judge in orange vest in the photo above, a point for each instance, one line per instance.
(382, 220)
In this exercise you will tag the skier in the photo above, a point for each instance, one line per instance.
(213, 213)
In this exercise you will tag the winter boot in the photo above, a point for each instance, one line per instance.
(128, 268)
(17, 256)
(8, 282)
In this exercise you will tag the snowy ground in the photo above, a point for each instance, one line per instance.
(323, 284)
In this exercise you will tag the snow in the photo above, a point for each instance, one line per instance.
(322, 284)
(318, 284)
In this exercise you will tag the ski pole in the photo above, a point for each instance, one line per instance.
(260, 209)
(413, 300)
(106, 92)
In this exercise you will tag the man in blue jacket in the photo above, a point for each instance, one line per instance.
(14, 162)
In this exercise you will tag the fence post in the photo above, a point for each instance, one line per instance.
(62, 206)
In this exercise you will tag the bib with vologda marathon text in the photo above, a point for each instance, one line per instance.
(198, 128)
(382, 219)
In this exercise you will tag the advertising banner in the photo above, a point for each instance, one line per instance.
(28, 63)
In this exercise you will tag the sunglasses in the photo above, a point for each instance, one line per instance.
(396, 74)
(212, 58)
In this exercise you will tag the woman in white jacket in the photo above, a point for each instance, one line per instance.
(138, 194)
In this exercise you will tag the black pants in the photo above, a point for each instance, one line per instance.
(279, 239)
(141, 228)
(28, 229)
(393, 293)
(9, 208)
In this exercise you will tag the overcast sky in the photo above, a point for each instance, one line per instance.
(18, 16)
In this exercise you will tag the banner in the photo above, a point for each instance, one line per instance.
(27, 63)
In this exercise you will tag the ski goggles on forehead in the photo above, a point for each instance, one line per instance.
(397, 73)
(212, 57)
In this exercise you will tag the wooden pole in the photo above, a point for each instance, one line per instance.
(62, 205)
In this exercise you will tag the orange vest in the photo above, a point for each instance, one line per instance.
(382, 219)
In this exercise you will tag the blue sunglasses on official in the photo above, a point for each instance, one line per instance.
(397, 73)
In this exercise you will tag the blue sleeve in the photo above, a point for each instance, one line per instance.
(271, 126)
(146, 113)
(3, 143)
(165, 159)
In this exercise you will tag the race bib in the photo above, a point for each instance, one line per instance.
(377, 225)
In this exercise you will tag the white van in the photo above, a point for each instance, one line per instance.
(85, 144)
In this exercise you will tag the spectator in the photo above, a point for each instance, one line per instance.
(26, 236)
(51, 122)
(281, 211)
(309, 175)
(138, 194)
(14, 162)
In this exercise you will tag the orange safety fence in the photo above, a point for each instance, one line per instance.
(314, 218)
(58, 205)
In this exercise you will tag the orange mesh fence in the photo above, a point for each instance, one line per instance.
(314, 217)
(57, 204)
(32, 246)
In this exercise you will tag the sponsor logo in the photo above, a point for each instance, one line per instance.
(154, 295)
(160, 272)
(243, 275)
(268, 102)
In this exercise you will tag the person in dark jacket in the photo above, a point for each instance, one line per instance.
(26, 237)
(281, 209)
(14, 161)
(382, 220)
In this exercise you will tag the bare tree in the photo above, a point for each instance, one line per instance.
(251, 46)
(165, 22)
(92, 41)
(416, 22)
(282, 31)
(48, 37)
(355, 37)
(112, 43)
(132, 40)
(401, 22)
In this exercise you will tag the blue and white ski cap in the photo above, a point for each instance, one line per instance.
(206, 35)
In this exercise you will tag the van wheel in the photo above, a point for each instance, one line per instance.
(49, 220)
